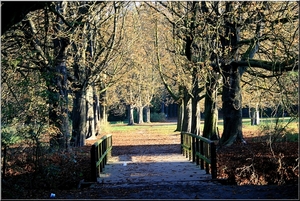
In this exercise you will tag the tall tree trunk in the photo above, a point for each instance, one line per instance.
(257, 114)
(254, 115)
(198, 119)
(96, 111)
(232, 106)
(187, 113)
(103, 111)
(58, 106)
(90, 127)
(180, 116)
(130, 115)
(231, 94)
(194, 102)
(58, 96)
(140, 115)
(103, 114)
(148, 114)
(211, 110)
(79, 118)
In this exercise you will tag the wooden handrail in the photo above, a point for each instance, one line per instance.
(200, 149)
(100, 151)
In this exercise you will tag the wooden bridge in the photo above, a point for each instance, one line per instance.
(181, 167)
(196, 162)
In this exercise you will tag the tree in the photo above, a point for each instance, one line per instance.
(239, 36)
(140, 83)
(185, 34)
(97, 40)
(51, 58)
(48, 61)
(245, 33)
(81, 49)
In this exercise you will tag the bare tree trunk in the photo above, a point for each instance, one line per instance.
(96, 111)
(90, 126)
(140, 114)
(58, 99)
(232, 106)
(257, 114)
(211, 110)
(79, 118)
(148, 114)
(187, 113)
(254, 115)
(180, 116)
(103, 111)
(189, 116)
(198, 119)
(130, 115)
(195, 107)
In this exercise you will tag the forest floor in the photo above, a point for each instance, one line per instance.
(256, 170)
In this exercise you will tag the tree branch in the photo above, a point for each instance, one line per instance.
(289, 65)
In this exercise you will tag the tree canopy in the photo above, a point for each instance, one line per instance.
(64, 64)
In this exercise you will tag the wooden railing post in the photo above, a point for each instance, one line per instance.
(110, 145)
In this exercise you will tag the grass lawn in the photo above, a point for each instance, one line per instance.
(291, 131)
(159, 128)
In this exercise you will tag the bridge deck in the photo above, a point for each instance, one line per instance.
(172, 176)
(129, 169)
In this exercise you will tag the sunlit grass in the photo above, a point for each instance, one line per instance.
(291, 131)
(158, 128)
(263, 121)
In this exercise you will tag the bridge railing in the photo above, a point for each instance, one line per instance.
(100, 152)
(201, 150)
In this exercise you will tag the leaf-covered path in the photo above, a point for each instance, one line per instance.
(150, 166)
